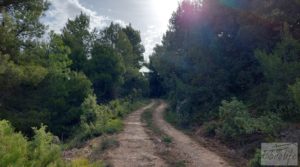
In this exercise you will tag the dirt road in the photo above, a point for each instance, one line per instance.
(198, 156)
(136, 149)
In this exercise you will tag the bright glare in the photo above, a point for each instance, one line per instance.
(164, 9)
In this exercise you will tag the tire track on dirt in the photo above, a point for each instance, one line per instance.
(197, 156)
(136, 148)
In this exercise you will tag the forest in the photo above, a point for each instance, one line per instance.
(228, 67)
(78, 83)
(233, 68)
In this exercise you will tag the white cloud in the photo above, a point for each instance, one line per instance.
(62, 10)
(152, 36)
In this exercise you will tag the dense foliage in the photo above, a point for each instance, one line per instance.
(48, 82)
(52, 82)
(43, 151)
(15, 150)
(98, 119)
(236, 124)
(215, 50)
(231, 65)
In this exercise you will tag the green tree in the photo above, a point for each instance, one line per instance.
(206, 57)
(43, 74)
(105, 69)
(77, 37)
(136, 43)
(127, 43)
(281, 68)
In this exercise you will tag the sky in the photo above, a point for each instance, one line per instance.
(150, 17)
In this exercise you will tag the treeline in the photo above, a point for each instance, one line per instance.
(75, 85)
(233, 66)
(56, 81)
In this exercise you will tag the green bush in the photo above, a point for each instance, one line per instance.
(42, 150)
(113, 126)
(98, 119)
(167, 139)
(13, 146)
(93, 121)
(82, 162)
(120, 108)
(295, 93)
(268, 124)
(210, 128)
(295, 89)
(235, 119)
(256, 160)
(236, 122)
(171, 117)
(16, 150)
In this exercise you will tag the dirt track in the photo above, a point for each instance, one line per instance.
(136, 149)
(198, 156)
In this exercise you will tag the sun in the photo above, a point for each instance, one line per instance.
(165, 8)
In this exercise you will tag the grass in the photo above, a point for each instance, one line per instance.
(148, 119)
(114, 126)
(179, 164)
(174, 120)
(171, 117)
(119, 109)
(82, 162)
(108, 143)
(167, 141)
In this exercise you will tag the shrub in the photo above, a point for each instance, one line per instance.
(171, 117)
(82, 162)
(235, 119)
(167, 139)
(255, 161)
(122, 107)
(295, 89)
(13, 146)
(210, 128)
(119, 108)
(268, 124)
(16, 150)
(113, 126)
(93, 121)
(98, 119)
(43, 152)
(236, 122)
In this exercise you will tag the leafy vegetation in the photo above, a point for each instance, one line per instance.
(48, 81)
(101, 119)
(82, 162)
(235, 122)
(79, 83)
(16, 150)
(215, 50)
(255, 161)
